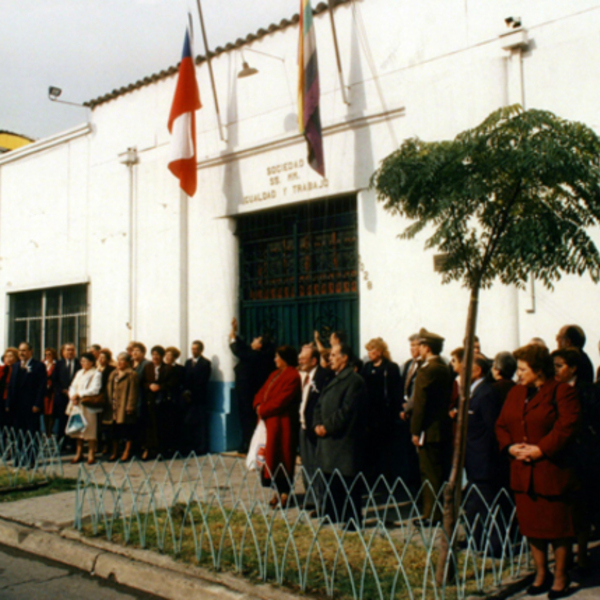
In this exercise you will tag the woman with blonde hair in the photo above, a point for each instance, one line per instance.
(384, 401)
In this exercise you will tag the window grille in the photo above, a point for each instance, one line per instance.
(49, 318)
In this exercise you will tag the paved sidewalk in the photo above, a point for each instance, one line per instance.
(43, 526)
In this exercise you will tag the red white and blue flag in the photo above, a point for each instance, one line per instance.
(182, 122)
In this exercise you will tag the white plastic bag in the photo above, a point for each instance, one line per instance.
(255, 459)
(77, 422)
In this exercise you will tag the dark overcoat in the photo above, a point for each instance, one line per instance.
(320, 380)
(482, 456)
(278, 403)
(341, 410)
(26, 390)
(62, 379)
(252, 369)
(195, 381)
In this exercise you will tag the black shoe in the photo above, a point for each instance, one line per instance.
(536, 590)
(566, 591)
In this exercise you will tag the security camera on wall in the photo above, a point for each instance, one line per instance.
(513, 22)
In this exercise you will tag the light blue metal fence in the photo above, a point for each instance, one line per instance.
(213, 511)
(27, 457)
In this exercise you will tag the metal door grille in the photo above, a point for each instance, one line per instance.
(299, 270)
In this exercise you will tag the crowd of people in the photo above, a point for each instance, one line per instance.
(533, 423)
(128, 403)
(536, 438)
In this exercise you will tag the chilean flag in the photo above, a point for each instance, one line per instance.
(182, 122)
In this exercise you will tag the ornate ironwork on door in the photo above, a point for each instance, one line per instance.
(299, 271)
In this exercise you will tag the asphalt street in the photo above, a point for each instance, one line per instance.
(23, 577)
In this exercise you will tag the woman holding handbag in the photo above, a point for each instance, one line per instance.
(84, 395)
(277, 403)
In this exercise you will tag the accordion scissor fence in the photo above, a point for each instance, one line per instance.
(213, 512)
(27, 458)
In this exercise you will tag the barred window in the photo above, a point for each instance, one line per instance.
(299, 270)
(49, 318)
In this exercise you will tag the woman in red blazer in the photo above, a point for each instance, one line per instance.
(537, 421)
(277, 403)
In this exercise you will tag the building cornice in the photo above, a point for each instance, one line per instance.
(297, 138)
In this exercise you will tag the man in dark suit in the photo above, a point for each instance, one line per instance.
(482, 461)
(62, 377)
(407, 454)
(195, 398)
(430, 425)
(25, 400)
(409, 374)
(159, 415)
(314, 379)
(339, 422)
(255, 364)
(573, 336)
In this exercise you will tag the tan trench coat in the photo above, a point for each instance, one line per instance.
(123, 391)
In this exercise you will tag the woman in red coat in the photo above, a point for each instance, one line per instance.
(537, 421)
(277, 403)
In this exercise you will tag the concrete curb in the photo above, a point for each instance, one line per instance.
(143, 570)
(155, 573)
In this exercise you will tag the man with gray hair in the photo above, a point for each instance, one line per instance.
(409, 375)
(314, 379)
(339, 422)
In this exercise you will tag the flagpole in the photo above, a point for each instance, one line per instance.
(337, 52)
(210, 70)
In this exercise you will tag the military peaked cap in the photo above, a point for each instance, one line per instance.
(427, 337)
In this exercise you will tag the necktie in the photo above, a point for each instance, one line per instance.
(411, 371)
(305, 382)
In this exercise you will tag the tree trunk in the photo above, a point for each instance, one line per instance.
(453, 490)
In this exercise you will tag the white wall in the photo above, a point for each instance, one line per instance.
(413, 69)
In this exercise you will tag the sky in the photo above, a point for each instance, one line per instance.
(90, 47)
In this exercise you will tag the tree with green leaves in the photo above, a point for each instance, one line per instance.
(511, 198)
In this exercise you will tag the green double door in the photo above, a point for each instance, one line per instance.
(299, 272)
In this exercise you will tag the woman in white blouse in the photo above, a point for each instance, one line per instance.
(87, 382)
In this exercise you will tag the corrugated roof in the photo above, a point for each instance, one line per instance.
(251, 37)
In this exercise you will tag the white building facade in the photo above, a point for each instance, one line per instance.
(98, 245)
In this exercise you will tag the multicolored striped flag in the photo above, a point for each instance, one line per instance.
(309, 119)
(182, 121)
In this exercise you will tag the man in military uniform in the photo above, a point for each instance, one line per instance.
(430, 427)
